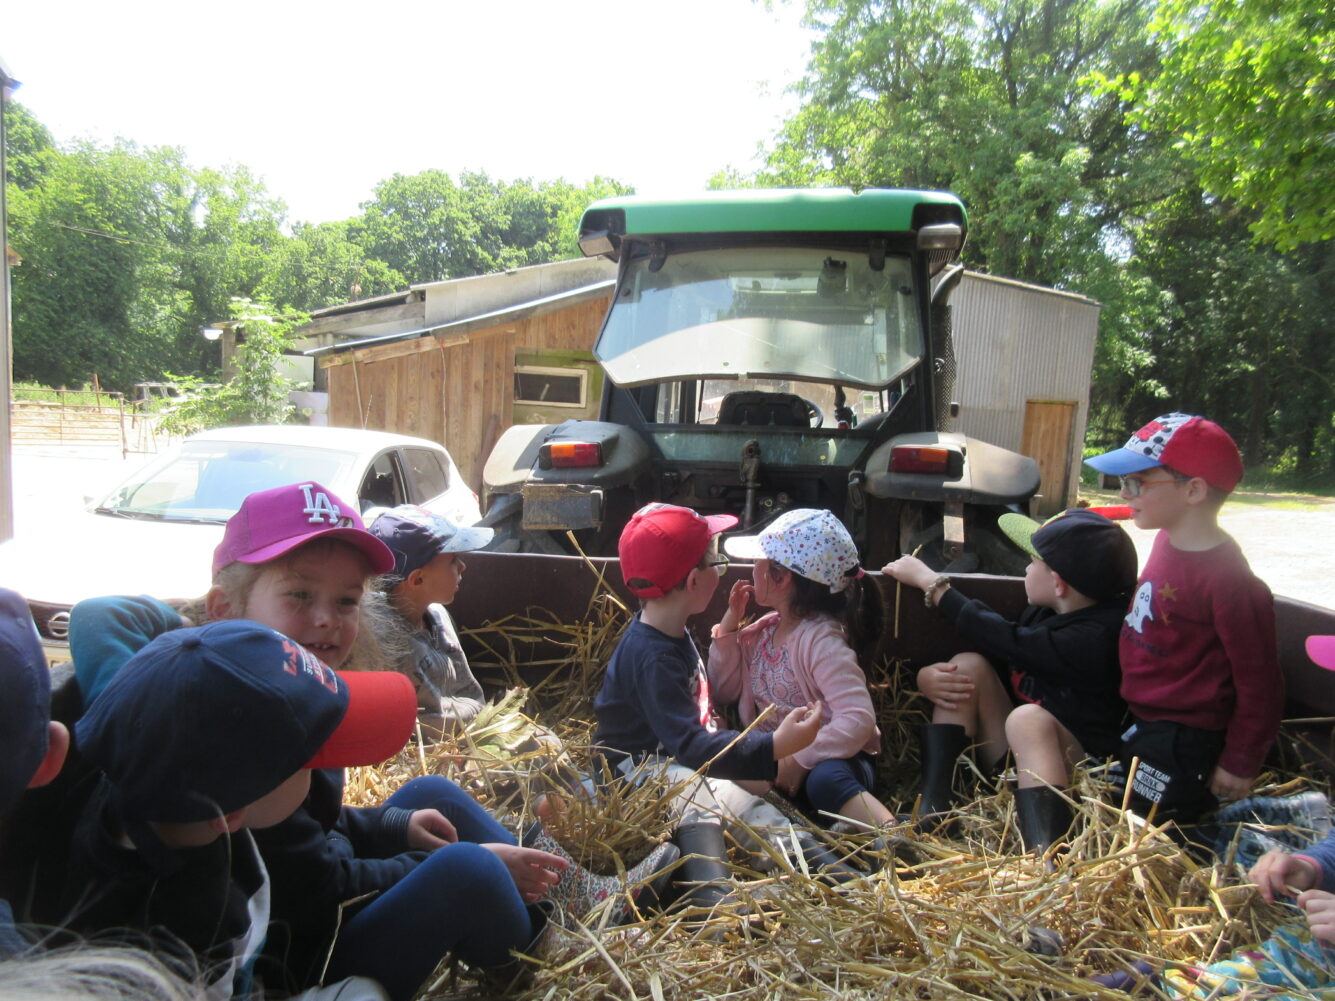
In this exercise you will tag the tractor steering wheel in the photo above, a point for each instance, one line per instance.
(814, 413)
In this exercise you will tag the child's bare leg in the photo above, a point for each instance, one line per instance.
(966, 691)
(1044, 749)
(867, 810)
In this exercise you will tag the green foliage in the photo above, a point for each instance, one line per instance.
(256, 393)
(86, 396)
(1028, 109)
(128, 252)
(426, 227)
(1248, 86)
(988, 99)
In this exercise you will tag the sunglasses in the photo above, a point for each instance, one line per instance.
(719, 566)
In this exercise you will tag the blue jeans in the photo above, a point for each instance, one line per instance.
(461, 898)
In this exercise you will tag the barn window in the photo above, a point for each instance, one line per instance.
(551, 387)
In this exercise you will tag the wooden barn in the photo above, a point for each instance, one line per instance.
(460, 361)
(450, 371)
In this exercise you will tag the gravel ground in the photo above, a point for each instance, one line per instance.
(1287, 537)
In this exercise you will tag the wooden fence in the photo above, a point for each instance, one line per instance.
(107, 420)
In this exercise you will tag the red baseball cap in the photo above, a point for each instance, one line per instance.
(270, 523)
(1191, 445)
(662, 543)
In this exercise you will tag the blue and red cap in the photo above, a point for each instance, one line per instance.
(204, 721)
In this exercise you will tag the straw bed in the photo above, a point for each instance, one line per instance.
(953, 924)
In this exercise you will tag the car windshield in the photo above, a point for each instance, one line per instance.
(763, 312)
(207, 480)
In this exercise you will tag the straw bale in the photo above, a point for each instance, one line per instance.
(953, 923)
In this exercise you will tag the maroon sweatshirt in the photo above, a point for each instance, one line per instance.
(1198, 648)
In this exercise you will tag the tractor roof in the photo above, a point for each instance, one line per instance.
(774, 210)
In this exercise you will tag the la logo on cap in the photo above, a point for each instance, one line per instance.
(319, 508)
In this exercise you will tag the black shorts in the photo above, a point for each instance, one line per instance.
(1176, 764)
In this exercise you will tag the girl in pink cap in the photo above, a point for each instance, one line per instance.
(825, 625)
(383, 892)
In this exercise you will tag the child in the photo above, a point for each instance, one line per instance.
(1062, 659)
(1200, 669)
(32, 747)
(1299, 957)
(428, 569)
(653, 708)
(394, 888)
(826, 622)
(202, 734)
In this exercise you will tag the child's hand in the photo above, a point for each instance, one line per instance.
(911, 571)
(534, 871)
(428, 830)
(944, 685)
(1320, 908)
(791, 776)
(738, 600)
(798, 730)
(1276, 871)
(1226, 785)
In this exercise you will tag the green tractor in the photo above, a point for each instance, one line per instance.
(765, 350)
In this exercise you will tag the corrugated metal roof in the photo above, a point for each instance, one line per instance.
(534, 307)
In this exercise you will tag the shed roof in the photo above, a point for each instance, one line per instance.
(466, 325)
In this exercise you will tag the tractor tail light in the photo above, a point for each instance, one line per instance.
(570, 455)
(919, 459)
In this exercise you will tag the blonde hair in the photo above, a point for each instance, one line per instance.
(381, 643)
(88, 972)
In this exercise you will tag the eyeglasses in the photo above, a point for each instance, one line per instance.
(1133, 485)
(720, 565)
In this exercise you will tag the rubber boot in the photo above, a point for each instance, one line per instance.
(939, 746)
(822, 861)
(702, 878)
(578, 891)
(1044, 817)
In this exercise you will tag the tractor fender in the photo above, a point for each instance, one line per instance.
(987, 474)
(513, 465)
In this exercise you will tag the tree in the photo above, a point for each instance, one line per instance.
(1249, 88)
(257, 393)
(988, 98)
(127, 253)
(320, 265)
(429, 228)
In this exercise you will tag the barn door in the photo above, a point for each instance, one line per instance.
(1048, 427)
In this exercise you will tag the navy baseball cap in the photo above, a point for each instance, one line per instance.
(1092, 553)
(204, 721)
(417, 536)
(25, 698)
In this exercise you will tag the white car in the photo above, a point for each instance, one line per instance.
(155, 533)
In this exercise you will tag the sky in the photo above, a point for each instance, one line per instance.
(323, 100)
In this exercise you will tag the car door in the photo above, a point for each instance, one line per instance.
(435, 484)
(382, 484)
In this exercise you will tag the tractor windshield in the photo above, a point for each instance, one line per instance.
(822, 315)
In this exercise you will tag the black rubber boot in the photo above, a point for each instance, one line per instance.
(940, 746)
(1044, 817)
(702, 877)
(824, 862)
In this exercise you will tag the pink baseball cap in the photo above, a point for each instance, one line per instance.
(1322, 651)
(1191, 445)
(662, 543)
(273, 522)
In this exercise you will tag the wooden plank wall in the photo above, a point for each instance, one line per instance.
(457, 390)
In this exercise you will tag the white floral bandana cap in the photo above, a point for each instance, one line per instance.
(810, 542)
